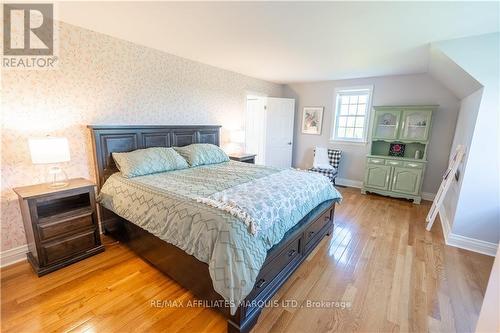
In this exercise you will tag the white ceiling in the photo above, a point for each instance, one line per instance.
(291, 41)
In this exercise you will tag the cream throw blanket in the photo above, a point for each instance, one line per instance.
(321, 159)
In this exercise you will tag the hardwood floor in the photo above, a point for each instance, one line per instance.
(383, 269)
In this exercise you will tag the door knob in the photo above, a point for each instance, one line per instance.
(289, 143)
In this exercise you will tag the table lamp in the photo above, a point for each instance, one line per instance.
(237, 138)
(51, 150)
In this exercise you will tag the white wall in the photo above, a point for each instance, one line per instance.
(416, 89)
(469, 107)
(477, 210)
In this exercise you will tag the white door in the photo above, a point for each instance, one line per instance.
(255, 128)
(280, 113)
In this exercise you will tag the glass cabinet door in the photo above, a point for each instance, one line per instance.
(415, 125)
(386, 124)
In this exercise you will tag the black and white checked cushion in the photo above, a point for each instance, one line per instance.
(326, 172)
(334, 157)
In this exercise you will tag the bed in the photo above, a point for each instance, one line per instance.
(182, 254)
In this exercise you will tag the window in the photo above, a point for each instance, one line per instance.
(352, 108)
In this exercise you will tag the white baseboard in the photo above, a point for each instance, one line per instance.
(14, 255)
(428, 196)
(463, 242)
(471, 244)
(445, 223)
(348, 182)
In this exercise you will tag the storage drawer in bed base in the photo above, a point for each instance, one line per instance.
(282, 260)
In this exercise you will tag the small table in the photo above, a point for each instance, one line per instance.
(243, 157)
(60, 224)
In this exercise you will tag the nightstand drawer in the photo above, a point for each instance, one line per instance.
(69, 246)
(66, 226)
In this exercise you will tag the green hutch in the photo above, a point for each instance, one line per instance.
(398, 176)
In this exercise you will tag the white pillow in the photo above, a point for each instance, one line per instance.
(321, 159)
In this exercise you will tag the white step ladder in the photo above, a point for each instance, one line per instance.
(445, 185)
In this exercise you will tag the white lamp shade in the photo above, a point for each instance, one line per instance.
(238, 136)
(49, 150)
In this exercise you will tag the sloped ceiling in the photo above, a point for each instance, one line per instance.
(289, 42)
(454, 77)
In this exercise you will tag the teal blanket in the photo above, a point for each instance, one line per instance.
(227, 215)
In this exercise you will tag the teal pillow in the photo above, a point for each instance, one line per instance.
(150, 160)
(202, 154)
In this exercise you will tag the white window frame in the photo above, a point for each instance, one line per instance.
(336, 112)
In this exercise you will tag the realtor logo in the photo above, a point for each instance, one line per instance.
(28, 39)
(28, 29)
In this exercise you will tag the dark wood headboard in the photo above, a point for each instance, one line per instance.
(107, 139)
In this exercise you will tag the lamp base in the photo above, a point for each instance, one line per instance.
(58, 184)
(58, 177)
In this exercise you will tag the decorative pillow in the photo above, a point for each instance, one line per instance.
(150, 160)
(202, 154)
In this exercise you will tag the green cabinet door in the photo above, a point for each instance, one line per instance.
(377, 176)
(415, 125)
(386, 124)
(406, 181)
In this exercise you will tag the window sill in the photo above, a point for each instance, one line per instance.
(347, 142)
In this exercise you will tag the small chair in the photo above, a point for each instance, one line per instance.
(334, 156)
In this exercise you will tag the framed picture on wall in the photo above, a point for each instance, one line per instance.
(312, 119)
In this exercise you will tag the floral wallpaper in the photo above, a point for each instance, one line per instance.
(104, 80)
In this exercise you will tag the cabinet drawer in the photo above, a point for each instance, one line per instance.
(315, 227)
(65, 226)
(394, 163)
(69, 246)
(414, 165)
(372, 160)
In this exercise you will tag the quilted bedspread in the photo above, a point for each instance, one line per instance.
(227, 215)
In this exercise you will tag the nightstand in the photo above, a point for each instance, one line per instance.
(246, 158)
(60, 224)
